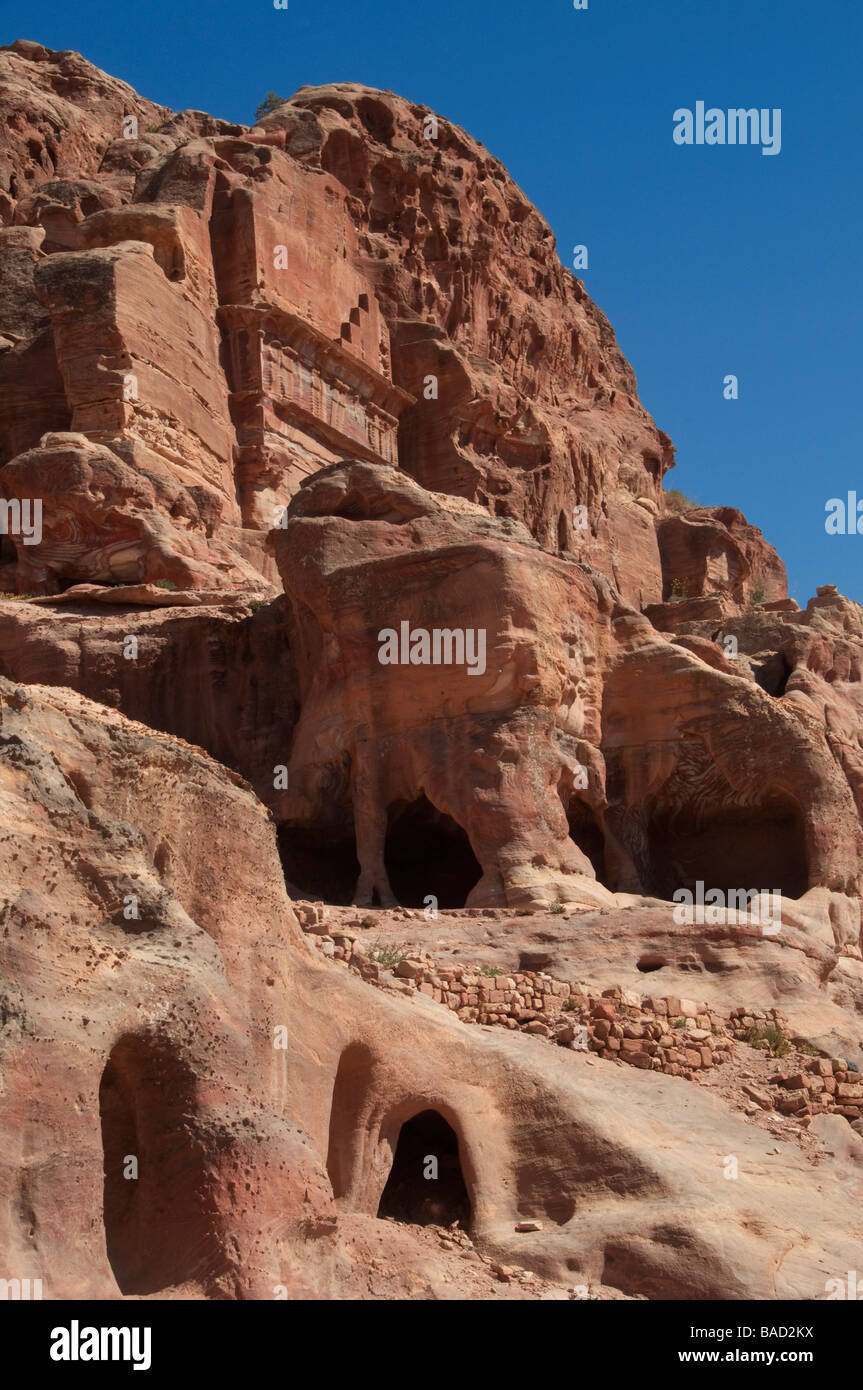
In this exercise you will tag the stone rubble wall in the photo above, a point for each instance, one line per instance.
(676, 1036)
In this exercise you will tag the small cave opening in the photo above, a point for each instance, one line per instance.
(319, 863)
(426, 1185)
(741, 847)
(562, 532)
(649, 961)
(772, 674)
(427, 852)
(159, 1222)
(586, 831)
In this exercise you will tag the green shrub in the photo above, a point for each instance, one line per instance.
(387, 956)
(770, 1039)
(677, 501)
(270, 103)
(166, 584)
(488, 970)
(557, 908)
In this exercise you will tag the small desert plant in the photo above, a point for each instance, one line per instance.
(256, 604)
(269, 104)
(757, 596)
(807, 1049)
(679, 1023)
(166, 584)
(491, 970)
(387, 956)
(368, 921)
(677, 501)
(557, 908)
(17, 598)
(768, 1039)
(570, 1005)
(678, 590)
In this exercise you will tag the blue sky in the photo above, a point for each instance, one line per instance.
(707, 260)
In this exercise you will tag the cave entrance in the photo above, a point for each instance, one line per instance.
(772, 673)
(586, 831)
(760, 847)
(319, 863)
(159, 1223)
(426, 1185)
(427, 852)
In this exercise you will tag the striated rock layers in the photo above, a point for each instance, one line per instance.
(337, 566)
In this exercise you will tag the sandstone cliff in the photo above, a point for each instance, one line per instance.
(289, 397)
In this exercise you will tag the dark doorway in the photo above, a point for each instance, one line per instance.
(319, 864)
(427, 852)
(159, 1224)
(772, 673)
(586, 832)
(760, 847)
(426, 1186)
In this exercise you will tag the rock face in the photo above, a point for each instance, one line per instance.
(535, 410)
(337, 570)
(435, 667)
(712, 550)
(152, 1035)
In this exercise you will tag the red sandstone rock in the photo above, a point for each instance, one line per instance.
(333, 354)
(713, 550)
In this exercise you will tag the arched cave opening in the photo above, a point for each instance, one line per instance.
(772, 674)
(586, 831)
(427, 852)
(426, 1185)
(319, 863)
(159, 1221)
(741, 847)
(649, 961)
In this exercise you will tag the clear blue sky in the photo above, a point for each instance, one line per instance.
(707, 260)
